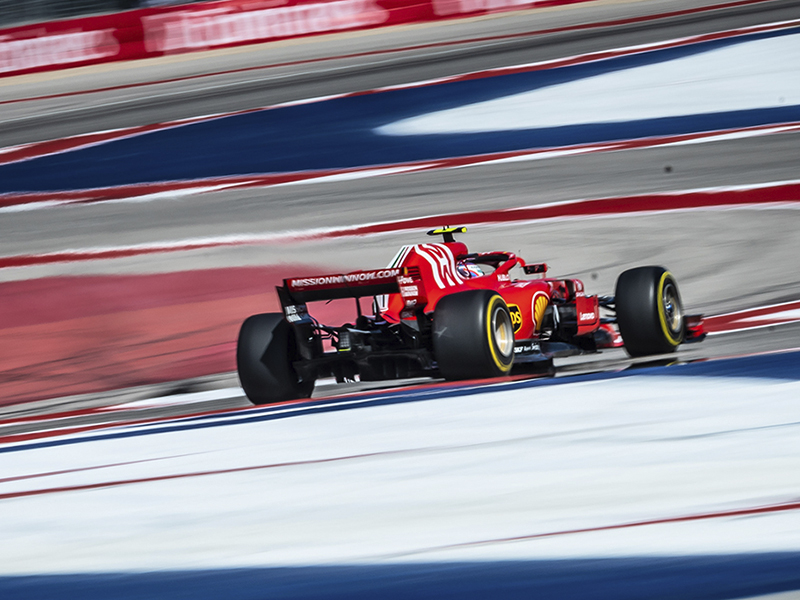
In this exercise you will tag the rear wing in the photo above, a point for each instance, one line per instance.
(357, 284)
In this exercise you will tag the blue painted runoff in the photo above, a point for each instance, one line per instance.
(783, 366)
(660, 578)
(340, 133)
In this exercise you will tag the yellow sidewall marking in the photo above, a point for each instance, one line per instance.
(662, 313)
(505, 368)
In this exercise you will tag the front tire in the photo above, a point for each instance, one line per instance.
(264, 354)
(649, 311)
(473, 336)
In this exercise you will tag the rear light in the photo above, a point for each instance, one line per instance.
(344, 344)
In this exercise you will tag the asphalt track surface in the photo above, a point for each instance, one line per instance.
(724, 261)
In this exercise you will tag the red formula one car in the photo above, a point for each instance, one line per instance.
(442, 311)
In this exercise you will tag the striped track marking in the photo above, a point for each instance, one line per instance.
(550, 31)
(724, 514)
(142, 426)
(39, 149)
(117, 483)
(754, 318)
(156, 191)
(737, 510)
(783, 195)
(71, 434)
(734, 513)
(83, 469)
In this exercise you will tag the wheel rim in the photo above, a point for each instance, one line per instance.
(503, 332)
(672, 308)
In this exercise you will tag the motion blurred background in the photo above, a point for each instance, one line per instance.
(30, 11)
(135, 242)
(163, 166)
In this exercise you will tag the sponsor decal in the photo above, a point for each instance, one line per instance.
(295, 313)
(443, 264)
(526, 348)
(412, 291)
(173, 32)
(516, 316)
(329, 280)
(409, 290)
(587, 316)
(538, 305)
(56, 49)
(503, 277)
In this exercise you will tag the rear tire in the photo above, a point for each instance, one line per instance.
(649, 311)
(264, 355)
(473, 336)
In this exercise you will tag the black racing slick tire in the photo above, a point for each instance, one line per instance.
(473, 336)
(264, 355)
(649, 311)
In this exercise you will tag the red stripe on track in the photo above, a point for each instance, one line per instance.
(106, 484)
(67, 430)
(742, 512)
(653, 203)
(767, 316)
(554, 30)
(82, 469)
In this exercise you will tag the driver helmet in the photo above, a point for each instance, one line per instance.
(468, 269)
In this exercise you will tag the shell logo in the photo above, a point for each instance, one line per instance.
(538, 305)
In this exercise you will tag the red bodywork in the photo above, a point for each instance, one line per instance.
(551, 317)
(430, 272)
(469, 334)
(421, 275)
